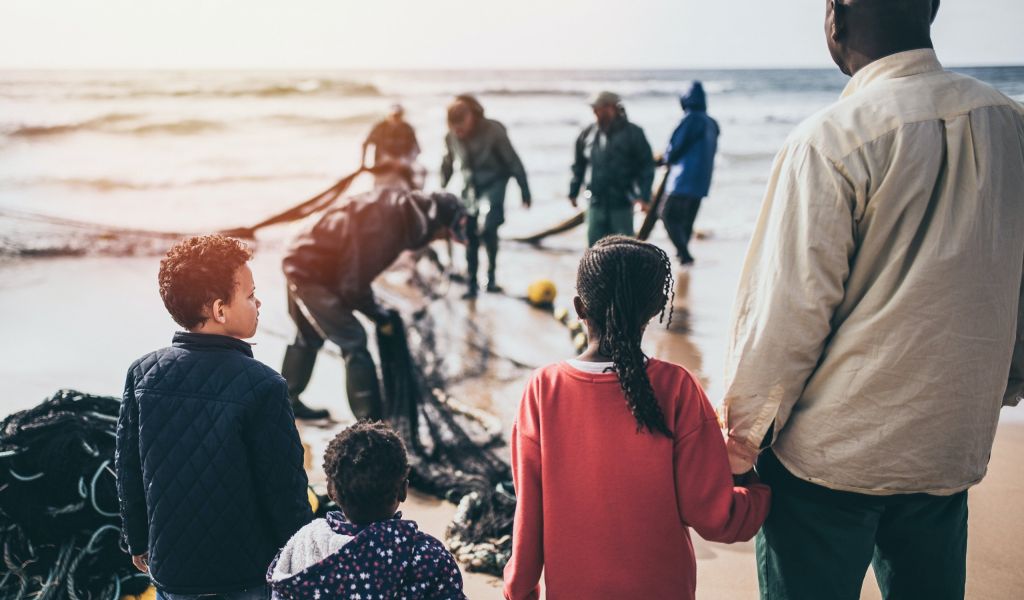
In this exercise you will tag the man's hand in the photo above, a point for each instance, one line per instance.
(141, 562)
(741, 456)
(572, 201)
(527, 202)
(645, 207)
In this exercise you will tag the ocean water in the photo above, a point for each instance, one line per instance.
(195, 151)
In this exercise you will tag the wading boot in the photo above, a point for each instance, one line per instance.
(306, 413)
(361, 384)
(297, 370)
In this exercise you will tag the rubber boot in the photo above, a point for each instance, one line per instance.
(297, 371)
(491, 245)
(472, 266)
(361, 384)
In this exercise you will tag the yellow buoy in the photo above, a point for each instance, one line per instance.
(149, 594)
(562, 314)
(580, 341)
(541, 292)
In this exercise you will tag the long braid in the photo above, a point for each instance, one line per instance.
(623, 283)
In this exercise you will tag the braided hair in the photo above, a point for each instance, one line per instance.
(623, 283)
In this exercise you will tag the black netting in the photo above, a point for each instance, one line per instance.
(58, 502)
(452, 453)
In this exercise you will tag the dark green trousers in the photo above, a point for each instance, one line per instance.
(817, 543)
(603, 220)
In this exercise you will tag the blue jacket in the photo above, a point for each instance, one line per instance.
(691, 151)
(209, 465)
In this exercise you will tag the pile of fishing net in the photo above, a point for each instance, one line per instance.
(452, 448)
(59, 518)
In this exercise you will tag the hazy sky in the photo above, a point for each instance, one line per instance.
(442, 34)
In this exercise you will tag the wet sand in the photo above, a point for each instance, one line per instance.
(79, 323)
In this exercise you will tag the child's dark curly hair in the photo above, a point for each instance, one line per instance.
(197, 271)
(366, 466)
(623, 283)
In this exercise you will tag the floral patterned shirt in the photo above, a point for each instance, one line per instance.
(389, 559)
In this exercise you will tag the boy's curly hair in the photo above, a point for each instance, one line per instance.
(197, 271)
(366, 466)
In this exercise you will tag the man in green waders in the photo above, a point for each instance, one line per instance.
(487, 161)
(621, 168)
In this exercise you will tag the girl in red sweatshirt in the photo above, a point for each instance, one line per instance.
(615, 456)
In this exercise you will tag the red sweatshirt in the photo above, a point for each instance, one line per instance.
(605, 511)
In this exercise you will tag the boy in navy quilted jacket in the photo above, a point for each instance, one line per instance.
(209, 465)
(367, 550)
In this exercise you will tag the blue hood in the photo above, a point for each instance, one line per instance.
(695, 98)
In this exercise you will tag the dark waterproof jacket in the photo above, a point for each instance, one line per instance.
(358, 238)
(620, 161)
(209, 465)
(487, 161)
(691, 151)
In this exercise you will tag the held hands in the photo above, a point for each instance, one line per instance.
(141, 562)
(741, 456)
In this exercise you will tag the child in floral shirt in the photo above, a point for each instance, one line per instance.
(366, 551)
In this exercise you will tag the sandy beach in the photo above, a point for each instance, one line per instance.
(79, 322)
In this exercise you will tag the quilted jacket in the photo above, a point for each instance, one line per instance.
(209, 465)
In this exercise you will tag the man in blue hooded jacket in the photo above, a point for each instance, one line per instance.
(690, 157)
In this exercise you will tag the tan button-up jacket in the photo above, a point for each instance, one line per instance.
(879, 322)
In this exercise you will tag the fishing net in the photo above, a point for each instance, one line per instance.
(452, 451)
(58, 503)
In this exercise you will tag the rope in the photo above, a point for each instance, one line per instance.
(294, 213)
(70, 551)
(92, 497)
(24, 477)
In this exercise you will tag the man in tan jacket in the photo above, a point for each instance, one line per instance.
(878, 325)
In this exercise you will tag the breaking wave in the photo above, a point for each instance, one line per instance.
(137, 124)
(308, 87)
(105, 184)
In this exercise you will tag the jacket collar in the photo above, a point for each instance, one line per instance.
(901, 64)
(336, 519)
(210, 341)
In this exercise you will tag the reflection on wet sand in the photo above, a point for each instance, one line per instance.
(674, 343)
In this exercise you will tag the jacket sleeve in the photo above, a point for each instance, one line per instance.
(128, 465)
(513, 164)
(579, 164)
(522, 573)
(447, 161)
(793, 279)
(644, 173)
(1015, 384)
(688, 132)
(276, 458)
(708, 501)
